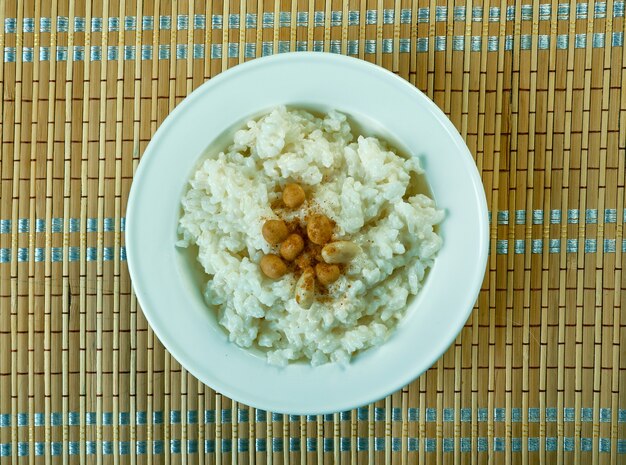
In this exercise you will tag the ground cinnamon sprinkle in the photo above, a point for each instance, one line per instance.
(311, 255)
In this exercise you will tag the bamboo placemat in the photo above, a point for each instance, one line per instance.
(538, 375)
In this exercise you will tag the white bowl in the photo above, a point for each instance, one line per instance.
(166, 280)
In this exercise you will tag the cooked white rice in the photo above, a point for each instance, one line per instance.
(360, 185)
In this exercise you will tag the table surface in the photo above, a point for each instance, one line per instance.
(538, 374)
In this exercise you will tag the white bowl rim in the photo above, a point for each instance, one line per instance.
(391, 385)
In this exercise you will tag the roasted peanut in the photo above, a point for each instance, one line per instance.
(326, 274)
(319, 229)
(293, 195)
(340, 252)
(305, 289)
(275, 231)
(291, 247)
(272, 266)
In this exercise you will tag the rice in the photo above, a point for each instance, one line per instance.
(361, 185)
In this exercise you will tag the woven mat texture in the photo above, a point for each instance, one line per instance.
(538, 374)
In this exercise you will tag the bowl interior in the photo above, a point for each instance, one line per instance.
(187, 263)
(379, 103)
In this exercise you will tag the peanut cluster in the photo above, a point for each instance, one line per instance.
(307, 250)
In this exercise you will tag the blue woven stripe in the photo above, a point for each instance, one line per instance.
(141, 447)
(107, 418)
(311, 444)
(177, 446)
(124, 447)
(503, 217)
(405, 45)
(243, 444)
(534, 415)
(56, 448)
(209, 416)
(294, 445)
(90, 447)
(388, 17)
(110, 224)
(261, 445)
(192, 446)
(277, 444)
(57, 254)
(328, 444)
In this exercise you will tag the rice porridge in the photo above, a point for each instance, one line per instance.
(311, 238)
